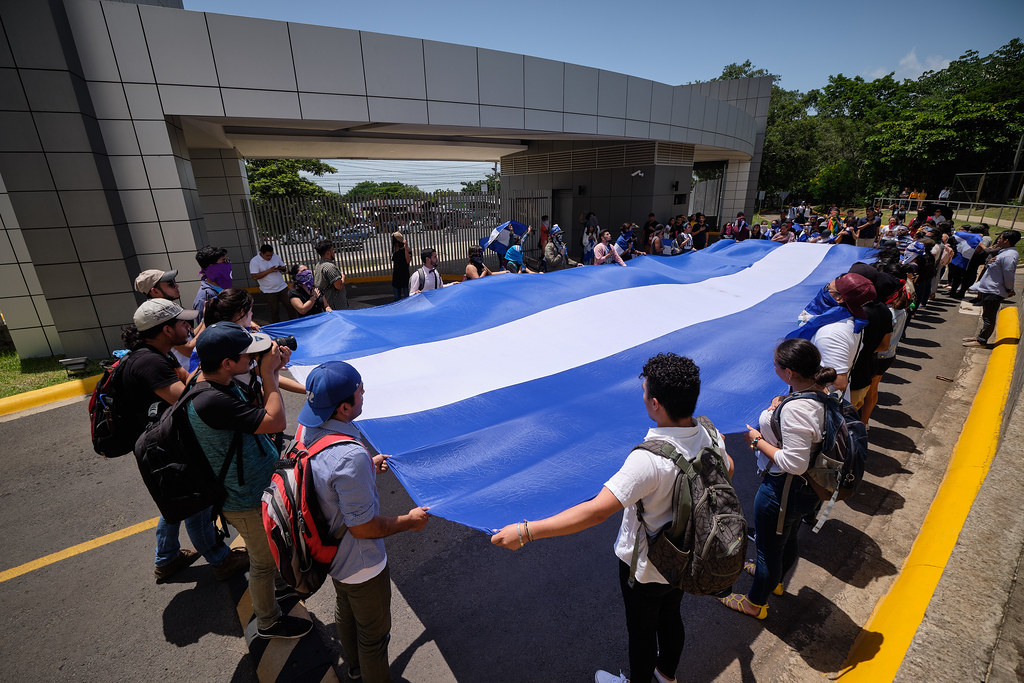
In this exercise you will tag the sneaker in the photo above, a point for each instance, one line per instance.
(603, 676)
(661, 678)
(184, 559)
(355, 674)
(286, 627)
(235, 563)
(284, 592)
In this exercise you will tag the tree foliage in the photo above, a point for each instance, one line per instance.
(384, 190)
(280, 177)
(491, 181)
(854, 138)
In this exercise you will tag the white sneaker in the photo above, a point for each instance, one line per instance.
(661, 678)
(603, 676)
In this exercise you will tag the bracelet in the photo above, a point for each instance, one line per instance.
(528, 534)
(754, 442)
(519, 530)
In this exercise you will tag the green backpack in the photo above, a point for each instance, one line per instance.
(702, 550)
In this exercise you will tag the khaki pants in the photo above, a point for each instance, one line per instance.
(262, 570)
(363, 618)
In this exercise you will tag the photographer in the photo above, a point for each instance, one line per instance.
(229, 427)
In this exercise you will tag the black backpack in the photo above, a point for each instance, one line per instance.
(111, 436)
(174, 467)
(702, 550)
(838, 468)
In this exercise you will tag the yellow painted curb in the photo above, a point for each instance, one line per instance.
(40, 397)
(883, 642)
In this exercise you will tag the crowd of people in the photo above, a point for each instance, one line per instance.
(844, 341)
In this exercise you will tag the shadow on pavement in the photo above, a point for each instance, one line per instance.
(812, 625)
(189, 615)
(901, 364)
(892, 440)
(896, 419)
(872, 499)
(911, 352)
(881, 464)
(859, 567)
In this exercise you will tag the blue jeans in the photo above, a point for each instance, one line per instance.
(777, 553)
(400, 292)
(200, 529)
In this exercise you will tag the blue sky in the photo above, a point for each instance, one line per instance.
(677, 41)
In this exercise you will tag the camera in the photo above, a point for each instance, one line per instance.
(288, 341)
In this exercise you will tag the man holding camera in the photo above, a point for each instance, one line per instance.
(230, 427)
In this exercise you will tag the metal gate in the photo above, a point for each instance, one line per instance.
(361, 227)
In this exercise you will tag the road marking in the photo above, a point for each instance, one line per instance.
(883, 641)
(15, 572)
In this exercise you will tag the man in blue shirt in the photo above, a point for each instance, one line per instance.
(995, 283)
(345, 477)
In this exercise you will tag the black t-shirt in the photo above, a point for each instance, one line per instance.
(225, 409)
(879, 325)
(870, 228)
(399, 269)
(145, 370)
(299, 292)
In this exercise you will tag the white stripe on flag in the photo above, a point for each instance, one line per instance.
(440, 373)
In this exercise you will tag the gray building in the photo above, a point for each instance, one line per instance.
(125, 125)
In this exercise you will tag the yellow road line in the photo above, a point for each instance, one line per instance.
(76, 550)
(39, 397)
(883, 642)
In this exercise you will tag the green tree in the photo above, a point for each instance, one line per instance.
(280, 178)
(388, 189)
(491, 181)
(744, 70)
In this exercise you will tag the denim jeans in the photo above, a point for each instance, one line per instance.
(654, 625)
(400, 292)
(200, 529)
(777, 553)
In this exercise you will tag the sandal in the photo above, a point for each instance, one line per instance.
(751, 568)
(739, 603)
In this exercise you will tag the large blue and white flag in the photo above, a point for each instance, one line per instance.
(514, 397)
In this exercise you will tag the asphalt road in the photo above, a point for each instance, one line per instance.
(463, 610)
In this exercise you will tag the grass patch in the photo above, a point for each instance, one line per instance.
(18, 376)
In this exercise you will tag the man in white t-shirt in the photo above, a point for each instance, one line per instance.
(671, 385)
(268, 270)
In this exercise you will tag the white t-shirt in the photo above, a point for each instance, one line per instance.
(802, 423)
(271, 282)
(838, 345)
(651, 477)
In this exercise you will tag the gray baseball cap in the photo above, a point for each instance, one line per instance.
(147, 279)
(156, 312)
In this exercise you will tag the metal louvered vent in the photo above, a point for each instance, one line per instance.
(611, 156)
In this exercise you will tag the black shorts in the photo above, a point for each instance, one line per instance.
(882, 365)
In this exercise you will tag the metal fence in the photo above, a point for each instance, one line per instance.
(1001, 215)
(361, 227)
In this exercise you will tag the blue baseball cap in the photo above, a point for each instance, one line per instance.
(227, 340)
(327, 385)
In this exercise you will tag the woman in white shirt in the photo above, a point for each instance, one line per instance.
(783, 457)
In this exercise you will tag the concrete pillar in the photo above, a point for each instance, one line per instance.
(222, 191)
(57, 177)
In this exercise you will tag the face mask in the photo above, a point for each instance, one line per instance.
(219, 274)
(305, 278)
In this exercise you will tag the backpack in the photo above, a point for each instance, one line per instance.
(111, 436)
(173, 466)
(702, 550)
(299, 535)
(837, 469)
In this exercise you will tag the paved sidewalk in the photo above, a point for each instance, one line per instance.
(974, 626)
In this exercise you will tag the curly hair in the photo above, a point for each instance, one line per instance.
(207, 256)
(674, 381)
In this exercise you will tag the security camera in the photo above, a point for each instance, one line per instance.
(637, 174)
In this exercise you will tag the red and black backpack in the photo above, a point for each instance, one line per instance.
(300, 538)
